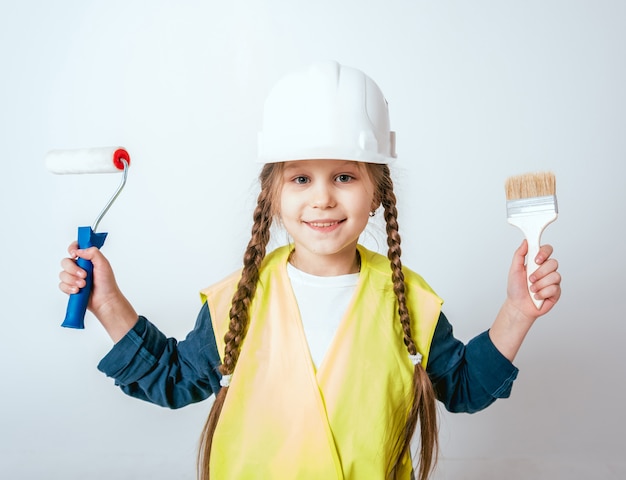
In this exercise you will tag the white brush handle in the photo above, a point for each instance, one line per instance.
(531, 266)
(533, 226)
(87, 160)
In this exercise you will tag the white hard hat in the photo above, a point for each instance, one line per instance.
(326, 111)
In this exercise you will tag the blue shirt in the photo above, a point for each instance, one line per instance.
(149, 366)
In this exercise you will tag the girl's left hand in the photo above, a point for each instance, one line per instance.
(545, 282)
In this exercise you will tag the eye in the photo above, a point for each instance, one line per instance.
(344, 178)
(301, 180)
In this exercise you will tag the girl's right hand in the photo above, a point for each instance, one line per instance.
(106, 301)
(72, 277)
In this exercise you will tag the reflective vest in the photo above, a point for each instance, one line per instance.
(285, 419)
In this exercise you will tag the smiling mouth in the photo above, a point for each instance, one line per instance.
(324, 225)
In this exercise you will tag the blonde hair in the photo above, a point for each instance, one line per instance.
(422, 407)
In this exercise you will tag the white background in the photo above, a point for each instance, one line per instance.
(478, 91)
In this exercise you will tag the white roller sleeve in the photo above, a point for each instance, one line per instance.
(87, 160)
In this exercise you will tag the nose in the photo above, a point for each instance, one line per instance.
(322, 195)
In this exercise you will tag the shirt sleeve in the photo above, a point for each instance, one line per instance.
(468, 378)
(147, 365)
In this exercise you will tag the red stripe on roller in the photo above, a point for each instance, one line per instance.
(119, 155)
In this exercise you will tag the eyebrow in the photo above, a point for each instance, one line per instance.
(296, 165)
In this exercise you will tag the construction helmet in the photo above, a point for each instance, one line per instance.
(326, 111)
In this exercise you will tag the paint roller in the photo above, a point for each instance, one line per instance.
(88, 161)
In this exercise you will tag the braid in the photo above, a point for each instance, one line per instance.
(238, 314)
(397, 276)
(254, 255)
(423, 402)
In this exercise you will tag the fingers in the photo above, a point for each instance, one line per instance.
(91, 253)
(546, 280)
(547, 265)
(545, 251)
(519, 257)
(72, 276)
(72, 249)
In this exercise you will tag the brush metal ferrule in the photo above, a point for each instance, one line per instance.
(531, 206)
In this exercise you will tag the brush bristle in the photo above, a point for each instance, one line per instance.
(530, 185)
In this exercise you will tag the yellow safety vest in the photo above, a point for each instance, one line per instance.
(282, 418)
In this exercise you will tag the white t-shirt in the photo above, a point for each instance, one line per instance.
(323, 302)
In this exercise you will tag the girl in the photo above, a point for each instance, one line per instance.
(324, 356)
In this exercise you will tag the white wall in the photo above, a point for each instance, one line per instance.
(478, 91)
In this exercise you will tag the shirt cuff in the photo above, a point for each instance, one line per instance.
(494, 371)
(135, 354)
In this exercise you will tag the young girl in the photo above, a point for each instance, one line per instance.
(324, 356)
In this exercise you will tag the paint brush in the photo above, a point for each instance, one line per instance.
(531, 206)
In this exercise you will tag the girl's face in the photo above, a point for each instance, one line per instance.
(324, 206)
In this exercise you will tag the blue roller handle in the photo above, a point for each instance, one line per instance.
(77, 303)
